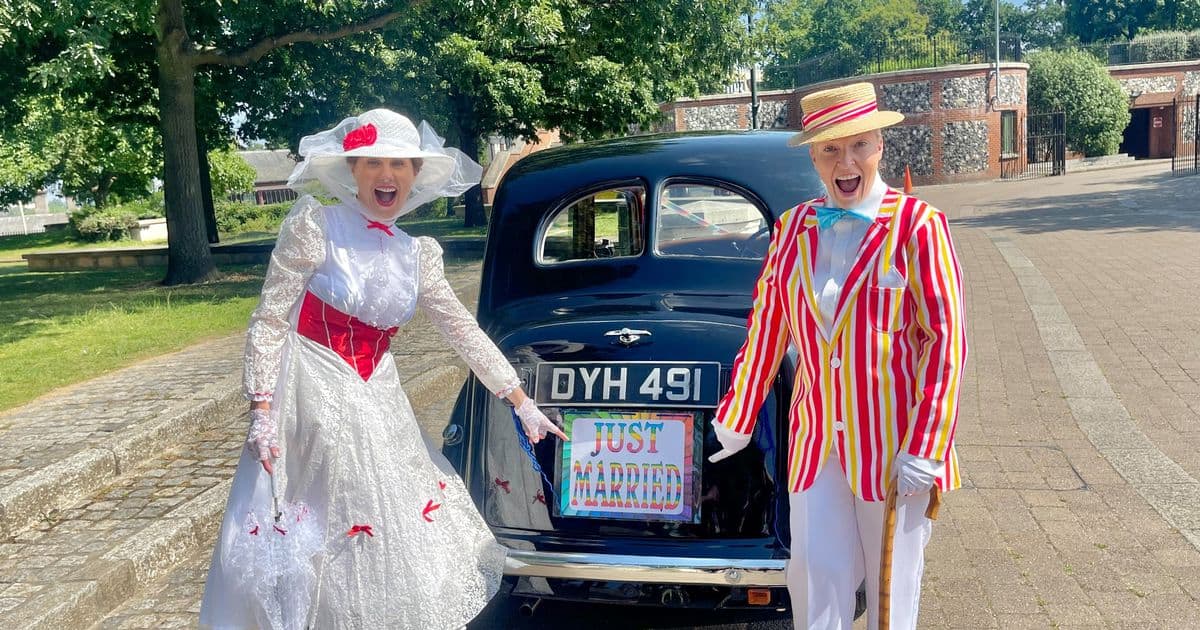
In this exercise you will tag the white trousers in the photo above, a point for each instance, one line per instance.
(836, 539)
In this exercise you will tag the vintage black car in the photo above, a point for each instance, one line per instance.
(618, 278)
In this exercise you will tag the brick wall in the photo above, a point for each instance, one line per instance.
(950, 131)
(1158, 83)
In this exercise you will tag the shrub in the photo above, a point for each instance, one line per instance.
(235, 217)
(230, 173)
(110, 224)
(1074, 82)
(152, 207)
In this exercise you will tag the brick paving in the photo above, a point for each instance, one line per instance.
(72, 419)
(1049, 533)
(60, 550)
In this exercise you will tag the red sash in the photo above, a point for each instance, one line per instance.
(361, 345)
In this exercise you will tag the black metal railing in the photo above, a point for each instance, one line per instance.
(914, 53)
(889, 54)
(1154, 48)
(1185, 158)
(1043, 145)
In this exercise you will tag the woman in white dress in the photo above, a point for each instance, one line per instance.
(402, 545)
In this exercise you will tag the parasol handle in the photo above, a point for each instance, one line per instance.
(275, 498)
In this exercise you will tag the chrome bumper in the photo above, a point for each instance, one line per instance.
(645, 569)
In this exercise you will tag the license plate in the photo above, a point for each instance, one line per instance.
(629, 465)
(675, 384)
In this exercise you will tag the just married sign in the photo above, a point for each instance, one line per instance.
(629, 465)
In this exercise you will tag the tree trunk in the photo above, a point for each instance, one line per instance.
(206, 196)
(188, 256)
(468, 135)
(473, 214)
(100, 197)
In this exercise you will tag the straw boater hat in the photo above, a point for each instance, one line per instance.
(839, 112)
(382, 133)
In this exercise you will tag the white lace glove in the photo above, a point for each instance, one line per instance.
(535, 423)
(731, 442)
(915, 475)
(263, 434)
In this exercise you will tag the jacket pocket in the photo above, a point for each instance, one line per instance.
(885, 312)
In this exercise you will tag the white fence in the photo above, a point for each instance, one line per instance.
(13, 223)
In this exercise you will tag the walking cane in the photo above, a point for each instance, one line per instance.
(885, 549)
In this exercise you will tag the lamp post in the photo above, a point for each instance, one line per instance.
(996, 95)
(753, 72)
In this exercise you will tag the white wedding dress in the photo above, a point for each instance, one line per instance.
(351, 447)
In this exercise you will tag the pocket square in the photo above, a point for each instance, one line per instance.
(891, 280)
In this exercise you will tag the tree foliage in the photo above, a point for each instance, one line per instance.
(163, 52)
(477, 66)
(505, 67)
(229, 172)
(1073, 82)
(1038, 24)
(1104, 20)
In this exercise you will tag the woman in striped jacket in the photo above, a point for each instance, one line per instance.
(865, 284)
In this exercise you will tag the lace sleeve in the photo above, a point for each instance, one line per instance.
(457, 326)
(298, 251)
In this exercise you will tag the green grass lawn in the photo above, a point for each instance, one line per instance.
(12, 247)
(59, 328)
(439, 227)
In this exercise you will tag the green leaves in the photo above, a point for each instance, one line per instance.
(1102, 20)
(1074, 82)
(229, 172)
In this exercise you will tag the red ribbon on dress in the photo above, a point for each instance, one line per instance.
(360, 345)
(382, 227)
(504, 483)
(360, 529)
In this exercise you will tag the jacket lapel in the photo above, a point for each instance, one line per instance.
(868, 252)
(800, 280)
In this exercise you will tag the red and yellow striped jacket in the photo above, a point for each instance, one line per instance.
(887, 380)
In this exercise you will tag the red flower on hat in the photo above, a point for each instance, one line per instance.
(364, 136)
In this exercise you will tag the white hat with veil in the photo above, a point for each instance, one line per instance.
(382, 133)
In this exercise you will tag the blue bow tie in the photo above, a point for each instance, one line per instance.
(826, 217)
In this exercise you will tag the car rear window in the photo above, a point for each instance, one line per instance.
(605, 224)
(709, 220)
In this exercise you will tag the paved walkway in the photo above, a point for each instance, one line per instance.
(1081, 407)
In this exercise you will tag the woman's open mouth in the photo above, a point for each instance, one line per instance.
(848, 184)
(385, 195)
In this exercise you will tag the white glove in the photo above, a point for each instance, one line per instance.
(731, 442)
(535, 423)
(263, 435)
(915, 475)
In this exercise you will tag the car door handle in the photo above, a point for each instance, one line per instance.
(626, 336)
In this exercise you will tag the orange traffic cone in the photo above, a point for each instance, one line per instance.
(908, 187)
